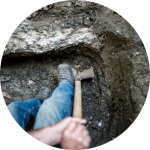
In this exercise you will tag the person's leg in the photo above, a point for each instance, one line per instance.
(57, 107)
(21, 111)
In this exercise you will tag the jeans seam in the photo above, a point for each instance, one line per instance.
(30, 111)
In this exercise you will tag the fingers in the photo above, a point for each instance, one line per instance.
(86, 142)
(68, 120)
(85, 133)
(83, 136)
(75, 123)
(80, 121)
(62, 125)
(71, 126)
(77, 120)
(79, 129)
(87, 139)
(70, 129)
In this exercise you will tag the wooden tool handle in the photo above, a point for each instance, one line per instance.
(77, 111)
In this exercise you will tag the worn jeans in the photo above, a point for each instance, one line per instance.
(52, 110)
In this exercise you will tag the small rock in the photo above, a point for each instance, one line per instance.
(35, 14)
(145, 90)
(6, 95)
(87, 118)
(30, 82)
(34, 79)
(45, 8)
(46, 82)
(130, 120)
(94, 126)
(99, 123)
(24, 72)
(44, 75)
(17, 99)
(4, 78)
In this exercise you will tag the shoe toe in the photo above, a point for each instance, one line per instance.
(64, 72)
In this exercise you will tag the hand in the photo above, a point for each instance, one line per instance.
(62, 125)
(75, 137)
(52, 135)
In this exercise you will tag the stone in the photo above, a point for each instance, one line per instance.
(145, 90)
(5, 78)
(46, 82)
(94, 126)
(35, 14)
(6, 95)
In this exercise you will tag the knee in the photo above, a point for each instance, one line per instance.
(48, 108)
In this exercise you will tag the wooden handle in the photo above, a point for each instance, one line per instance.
(77, 110)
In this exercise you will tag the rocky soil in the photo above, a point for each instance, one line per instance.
(81, 34)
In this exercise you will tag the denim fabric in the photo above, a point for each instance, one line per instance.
(53, 109)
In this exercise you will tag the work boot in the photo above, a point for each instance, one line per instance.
(43, 94)
(64, 72)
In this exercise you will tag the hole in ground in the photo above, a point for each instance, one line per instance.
(103, 110)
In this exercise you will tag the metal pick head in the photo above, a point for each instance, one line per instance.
(86, 74)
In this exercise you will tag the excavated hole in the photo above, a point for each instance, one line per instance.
(103, 103)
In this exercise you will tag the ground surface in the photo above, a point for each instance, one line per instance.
(81, 34)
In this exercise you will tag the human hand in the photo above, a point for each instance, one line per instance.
(52, 135)
(75, 137)
(62, 125)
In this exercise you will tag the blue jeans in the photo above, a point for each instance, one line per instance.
(53, 109)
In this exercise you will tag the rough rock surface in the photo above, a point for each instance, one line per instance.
(86, 34)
